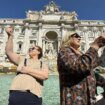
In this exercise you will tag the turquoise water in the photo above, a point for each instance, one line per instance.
(50, 93)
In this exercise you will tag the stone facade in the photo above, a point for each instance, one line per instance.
(46, 28)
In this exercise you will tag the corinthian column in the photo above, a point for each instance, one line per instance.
(26, 43)
(39, 37)
(85, 29)
(43, 46)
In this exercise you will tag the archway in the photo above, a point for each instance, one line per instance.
(51, 35)
(51, 43)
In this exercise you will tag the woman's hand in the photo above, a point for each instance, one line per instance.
(25, 69)
(99, 42)
(9, 31)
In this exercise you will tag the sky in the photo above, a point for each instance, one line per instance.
(86, 9)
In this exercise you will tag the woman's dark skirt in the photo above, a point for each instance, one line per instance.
(23, 98)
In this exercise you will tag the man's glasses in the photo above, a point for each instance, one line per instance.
(33, 48)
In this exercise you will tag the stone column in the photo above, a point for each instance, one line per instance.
(5, 36)
(39, 37)
(59, 42)
(26, 41)
(16, 34)
(62, 30)
(85, 29)
(43, 46)
(95, 31)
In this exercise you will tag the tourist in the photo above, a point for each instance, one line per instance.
(76, 74)
(100, 85)
(26, 88)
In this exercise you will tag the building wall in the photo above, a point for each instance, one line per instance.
(46, 28)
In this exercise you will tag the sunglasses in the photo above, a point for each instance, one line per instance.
(75, 35)
(33, 48)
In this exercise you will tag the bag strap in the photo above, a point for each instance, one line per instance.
(25, 62)
(40, 64)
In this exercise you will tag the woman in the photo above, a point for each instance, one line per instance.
(77, 79)
(26, 88)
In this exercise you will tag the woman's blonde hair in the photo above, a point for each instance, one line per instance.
(66, 39)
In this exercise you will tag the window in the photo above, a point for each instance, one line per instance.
(19, 47)
(33, 42)
(16, 30)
